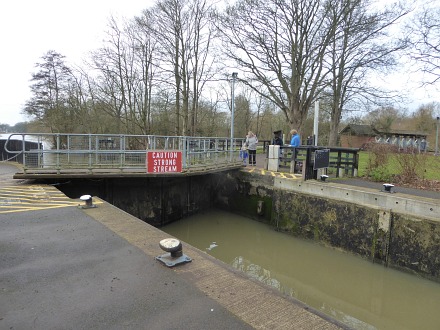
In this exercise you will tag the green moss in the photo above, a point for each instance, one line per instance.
(329, 216)
(316, 232)
(373, 246)
(248, 205)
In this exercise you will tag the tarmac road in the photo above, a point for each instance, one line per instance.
(60, 269)
(7, 171)
(64, 267)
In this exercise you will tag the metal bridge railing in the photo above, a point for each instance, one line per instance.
(343, 161)
(61, 152)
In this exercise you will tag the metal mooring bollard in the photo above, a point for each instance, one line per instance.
(388, 187)
(175, 254)
(88, 201)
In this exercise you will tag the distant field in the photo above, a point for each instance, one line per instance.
(432, 171)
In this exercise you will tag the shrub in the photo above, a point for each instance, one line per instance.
(412, 165)
(382, 174)
(377, 165)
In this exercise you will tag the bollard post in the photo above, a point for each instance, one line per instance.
(175, 254)
(88, 202)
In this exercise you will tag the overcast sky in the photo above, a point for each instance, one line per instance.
(30, 28)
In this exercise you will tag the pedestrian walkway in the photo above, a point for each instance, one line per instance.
(348, 181)
(63, 266)
(358, 182)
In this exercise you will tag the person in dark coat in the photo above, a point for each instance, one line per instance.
(277, 140)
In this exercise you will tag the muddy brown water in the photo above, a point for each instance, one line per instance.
(355, 291)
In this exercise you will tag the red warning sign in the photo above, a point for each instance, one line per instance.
(164, 161)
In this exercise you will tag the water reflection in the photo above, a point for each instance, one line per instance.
(350, 289)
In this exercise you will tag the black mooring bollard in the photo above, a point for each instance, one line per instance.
(324, 177)
(388, 187)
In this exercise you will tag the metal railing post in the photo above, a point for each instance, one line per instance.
(184, 153)
(58, 165)
(122, 151)
(23, 143)
(90, 151)
(97, 150)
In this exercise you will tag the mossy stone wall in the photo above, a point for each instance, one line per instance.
(397, 240)
(404, 242)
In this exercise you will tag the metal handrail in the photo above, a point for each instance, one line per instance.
(115, 151)
(342, 160)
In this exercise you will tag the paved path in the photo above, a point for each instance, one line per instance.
(358, 182)
(379, 186)
(7, 170)
(65, 267)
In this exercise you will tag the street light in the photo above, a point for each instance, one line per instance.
(436, 137)
(234, 76)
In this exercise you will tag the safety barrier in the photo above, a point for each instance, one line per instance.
(303, 159)
(124, 153)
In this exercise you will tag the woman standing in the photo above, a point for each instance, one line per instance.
(295, 141)
(251, 142)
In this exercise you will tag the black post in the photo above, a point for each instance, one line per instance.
(338, 164)
(309, 174)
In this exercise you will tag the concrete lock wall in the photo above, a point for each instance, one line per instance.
(405, 236)
(157, 201)
(381, 227)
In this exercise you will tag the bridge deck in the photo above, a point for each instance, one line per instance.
(92, 155)
(117, 173)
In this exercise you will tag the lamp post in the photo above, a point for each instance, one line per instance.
(436, 137)
(315, 124)
(234, 76)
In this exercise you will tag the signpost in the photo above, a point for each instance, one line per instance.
(322, 159)
(164, 161)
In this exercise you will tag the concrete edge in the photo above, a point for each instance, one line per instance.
(399, 203)
(258, 305)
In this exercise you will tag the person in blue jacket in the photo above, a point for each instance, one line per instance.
(295, 141)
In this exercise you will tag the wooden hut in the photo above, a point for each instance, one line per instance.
(356, 136)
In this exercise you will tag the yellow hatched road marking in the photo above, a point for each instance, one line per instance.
(32, 198)
(35, 199)
(274, 174)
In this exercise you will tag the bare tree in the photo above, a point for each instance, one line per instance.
(383, 118)
(359, 47)
(423, 119)
(145, 47)
(424, 32)
(50, 87)
(112, 63)
(183, 29)
(279, 45)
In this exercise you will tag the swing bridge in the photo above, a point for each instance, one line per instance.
(46, 155)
